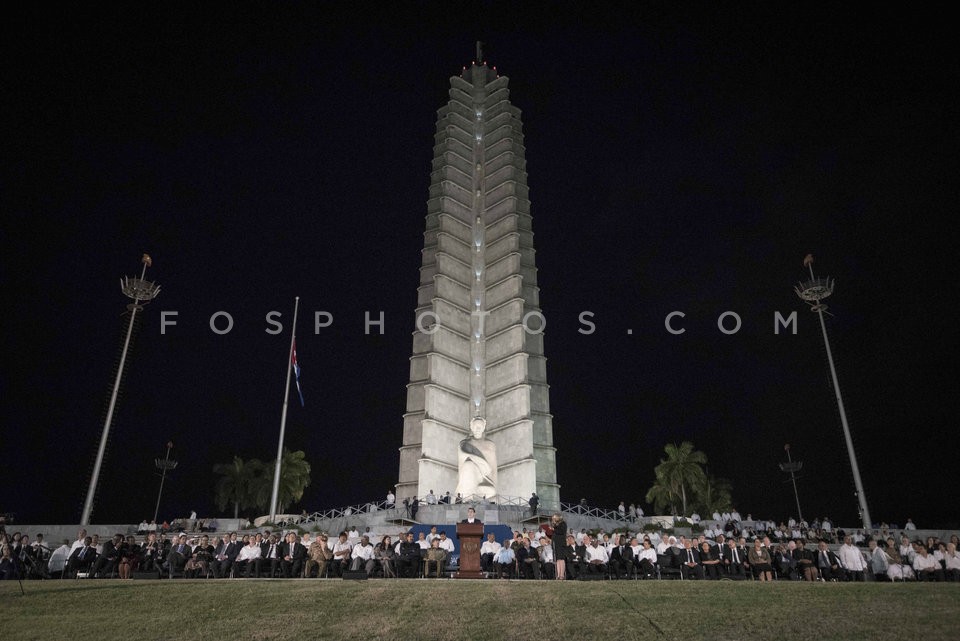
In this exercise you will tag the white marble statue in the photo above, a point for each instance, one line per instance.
(477, 464)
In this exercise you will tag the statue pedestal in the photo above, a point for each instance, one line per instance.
(470, 535)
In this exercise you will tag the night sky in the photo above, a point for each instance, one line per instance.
(676, 163)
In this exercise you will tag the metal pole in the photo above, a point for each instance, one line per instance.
(88, 503)
(861, 495)
(283, 417)
(163, 477)
(793, 478)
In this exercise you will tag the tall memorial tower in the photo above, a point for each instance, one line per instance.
(478, 342)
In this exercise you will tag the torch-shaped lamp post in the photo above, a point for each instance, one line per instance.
(142, 292)
(813, 292)
(793, 467)
(163, 464)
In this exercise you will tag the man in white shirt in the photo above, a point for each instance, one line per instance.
(951, 561)
(142, 528)
(433, 534)
(446, 544)
(664, 546)
(341, 554)
(488, 551)
(852, 559)
(79, 543)
(431, 498)
(909, 525)
(735, 516)
(471, 516)
(353, 537)
(596, 558)
(504, 559)
(694, 518)
(716, 516)
(423, 542)
(925, 566)
(645, 559)
(58, 560)
(547, 561)
(363, 556)
(247, 559)
(391, 499)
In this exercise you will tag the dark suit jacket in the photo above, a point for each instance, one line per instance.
(296, 552)
(81, 558)
(621, 555)
(410, 551)
(684, 558)
(475, 521)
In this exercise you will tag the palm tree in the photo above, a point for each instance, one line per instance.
(715, 495)
(681, 471)
(294, 478)
(662, 495)
(233, 486)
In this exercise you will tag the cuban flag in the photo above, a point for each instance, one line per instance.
(296, 371)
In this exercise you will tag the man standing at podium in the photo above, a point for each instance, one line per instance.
(471, 517)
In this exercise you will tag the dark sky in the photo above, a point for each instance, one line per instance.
(676, 162)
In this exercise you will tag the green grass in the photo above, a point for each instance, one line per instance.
(436, 610)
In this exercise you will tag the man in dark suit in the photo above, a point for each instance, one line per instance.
(178, 556)
(472, 517)
(408, 562)
(223, 558)
(269, 557)
(108, 559)
(579, 564)
(83, 557)
(710, 560)
(690, 566)
(733, 561)
(292, 556)
(621, 559)
(828, 564)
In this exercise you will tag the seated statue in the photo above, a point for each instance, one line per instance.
(477, 462)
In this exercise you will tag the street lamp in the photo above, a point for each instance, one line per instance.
(142, 292)
(793, 467)
(163, 464)
(813, 292)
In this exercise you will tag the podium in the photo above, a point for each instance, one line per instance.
(470, 535)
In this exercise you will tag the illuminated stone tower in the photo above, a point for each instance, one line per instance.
(478, 346)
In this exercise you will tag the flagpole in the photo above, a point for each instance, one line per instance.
(283, 417)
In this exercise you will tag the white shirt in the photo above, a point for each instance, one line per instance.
(598, 553)
(694, 518)
(76, 544)
(546, 554)
(909, 526)
(489, 547)
(735, 516)
(143, 526)
(851, 558)
(431, 499)
(59, 558)
(952, 562)
(447, 544)
(924, 562)
(364, 552)
(826, 526)
(647, 553)
(424, 544)
(579, 538)
(340, 547)
(391, 499)
(716, 516)
(431, 536)
(353, 537)
(662, 547)
(249, 553)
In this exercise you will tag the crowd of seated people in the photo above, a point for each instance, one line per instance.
(760, 550)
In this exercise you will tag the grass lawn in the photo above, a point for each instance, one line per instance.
(435, 610)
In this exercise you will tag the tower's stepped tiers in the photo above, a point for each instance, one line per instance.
(478, 283)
